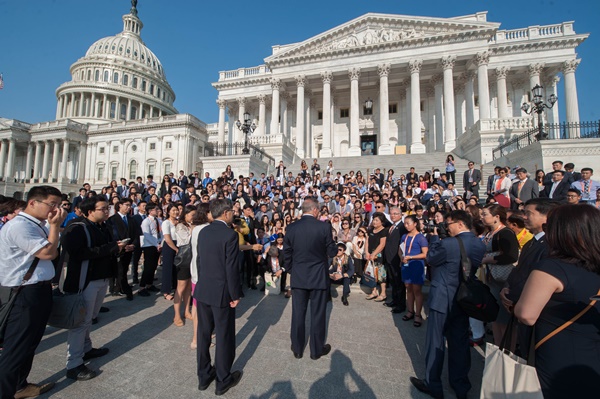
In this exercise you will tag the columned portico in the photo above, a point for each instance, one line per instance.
(3, 152)
(326, 152)
(534, 74)
(65, 159)
(572, 106)
(482, 60)
(12, 149)
(300, 82)
(28, 161)
(262, 114)
(275, 87)
(55, 153)
(37, 164)
(416, 145)
(501, 73)
(438, 95)
(354, 150)
(222, 104)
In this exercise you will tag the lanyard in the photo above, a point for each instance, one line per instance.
(37, 224)
(411, 244)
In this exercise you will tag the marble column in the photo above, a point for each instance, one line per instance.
(534, 75)
(326, 151)
(3, 151)
(221, 132)
(46, 161)
(65, 159)
(241, 111)
(416, 144)
(72, 106)
(55, 154)
(104, 101)
(482, 60)
(438, 94)
(231, 128)
(12, 149)
(354, 150)
(459, 96)
(449, 112)
(59, 106)
(407, 121)
(262, 115)
(128, 112)
(81, 96)
(308, 141)
(551, 88)
(38, 159)
(300, 83)
(572, 106)
(501, 73)
(275, 108)
(92, 111)
(29, 161)
(384, 111)
(284, 114)
(80, 176)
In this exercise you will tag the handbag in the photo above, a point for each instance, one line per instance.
(506, 375)
(183, 257)
(500, 273)
(69, 310)
(8, 296)
(381, 272)
(473, 296)
(368, 278)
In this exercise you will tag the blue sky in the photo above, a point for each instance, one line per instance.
(196, 39)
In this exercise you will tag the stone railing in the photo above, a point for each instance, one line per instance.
(270, 139)
(244, 72)
(533, 32)
(142, 122)
(516, 123)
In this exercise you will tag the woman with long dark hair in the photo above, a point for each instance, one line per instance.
(450, 169)
(559, 289)
(183, 235)
(415, 247)
(377, 236)
(168, 255)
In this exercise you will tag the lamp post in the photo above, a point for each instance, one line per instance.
(247, 128)
(368, 104)
(538, 107)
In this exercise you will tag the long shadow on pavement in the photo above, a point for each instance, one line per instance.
(333, 384)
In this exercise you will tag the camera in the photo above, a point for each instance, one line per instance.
(441, 228)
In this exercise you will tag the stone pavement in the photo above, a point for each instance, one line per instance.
(373, 354)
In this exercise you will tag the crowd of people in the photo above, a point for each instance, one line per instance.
(529, 233)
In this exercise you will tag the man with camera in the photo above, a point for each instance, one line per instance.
(447, 321)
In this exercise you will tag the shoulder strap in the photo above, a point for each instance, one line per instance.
(85, 263)
(465, 261)
(30, 271)
(567, 324)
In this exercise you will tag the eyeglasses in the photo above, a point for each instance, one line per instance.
(572, 196)
(340, 250)
(50, 205)
(104, 209)
(449, 223)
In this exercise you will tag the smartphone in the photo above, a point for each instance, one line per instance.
(125, 240)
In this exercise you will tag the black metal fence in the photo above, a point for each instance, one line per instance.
(227, 149)
(555, 131)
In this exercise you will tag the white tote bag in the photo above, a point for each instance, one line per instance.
(508, 376)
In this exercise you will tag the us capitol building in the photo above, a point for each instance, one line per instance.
(379, 84)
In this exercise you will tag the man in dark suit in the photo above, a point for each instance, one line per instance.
(308, 245)
(411, 176)
(392, 261)
(122, 226)
(491, 181)
(123, 189)
(137, 253)
(556, 165)
(447, 321)
(218, 293)
(536, 212)
(379, 177)
(82, 195)
(557, 188)
(570, 174)
(471, 180)
(523, 189)
(250, 269)
(182, 180)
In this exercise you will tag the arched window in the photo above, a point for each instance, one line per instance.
(89, 75)
(97, 77)
(106, 76)
(125, 80)
(116, 77)
(113, 107)
(152, 88)
(133, 114)
(123, 113)
(134, 85)
(132, 169)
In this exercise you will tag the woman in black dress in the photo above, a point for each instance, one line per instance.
(558, 289)
(374, 250)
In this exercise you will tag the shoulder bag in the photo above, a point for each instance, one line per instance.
(473, 296)
(369, 279)
(8, 295)
(69, 310)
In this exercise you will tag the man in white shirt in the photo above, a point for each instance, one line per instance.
(151, 246)
(22, 240)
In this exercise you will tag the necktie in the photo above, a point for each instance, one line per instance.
(392, 229)
(125, 221)
(586, 188)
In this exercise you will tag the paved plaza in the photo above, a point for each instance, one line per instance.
(373, 353)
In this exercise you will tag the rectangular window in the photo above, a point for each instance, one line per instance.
(100, 173)
(167, 168)
(106, 76)
(134, 83)
(113, 173)
(476, 102)
(151, 169)
(367, 111)
(115, 149)
(393, 108)
(125, 80)
(115, 77)
(168, 145)
(344, 112)
(151, 88)
(143, 85)
(158, 92)
(152, 146)
(113, 109)
(320, 115)
(101, 150)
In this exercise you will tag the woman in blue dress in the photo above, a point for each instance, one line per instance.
(414, 247)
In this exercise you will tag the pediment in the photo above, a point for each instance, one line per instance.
(386, 30)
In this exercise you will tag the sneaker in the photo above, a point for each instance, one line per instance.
(33, 390)
(81, 373)
(94, 353)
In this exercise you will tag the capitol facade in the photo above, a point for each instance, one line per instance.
(380, 84)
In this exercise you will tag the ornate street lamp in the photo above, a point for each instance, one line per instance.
(538, 107)
(247, 128)
(368, 104)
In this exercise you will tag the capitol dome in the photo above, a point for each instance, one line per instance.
(119, 78)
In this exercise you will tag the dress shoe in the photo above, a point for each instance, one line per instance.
(422, 386)
(143, 292)
(253, 287)
(345, 301)
(33, 390)
(81, 373)
(95, 320)
(398, 310)
(326, 350)
(152, 289)
(104, 309)
(296, 355)
(94, 353)
(211, 378)
(116, 294)
(135, 281)
(236, 376)
(130, 297)
(389, 304)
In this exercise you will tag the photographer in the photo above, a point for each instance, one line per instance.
(436, 225)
